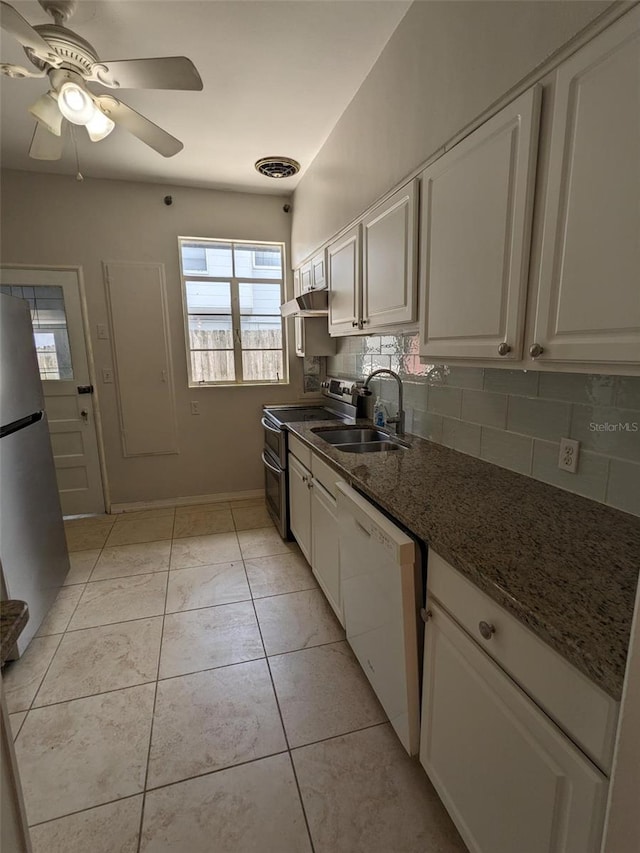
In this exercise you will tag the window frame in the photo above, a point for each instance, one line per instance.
(234, 282)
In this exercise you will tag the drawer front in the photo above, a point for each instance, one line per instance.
(300, 451)
(584, 711)
(325, 474)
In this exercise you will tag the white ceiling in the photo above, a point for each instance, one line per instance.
(277, 76)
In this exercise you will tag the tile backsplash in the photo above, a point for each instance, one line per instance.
(512, 418)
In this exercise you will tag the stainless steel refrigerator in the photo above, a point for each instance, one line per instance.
(33, 550)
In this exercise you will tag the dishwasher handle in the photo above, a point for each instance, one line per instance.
(362, 527)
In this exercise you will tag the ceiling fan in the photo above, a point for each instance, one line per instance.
(70, 63)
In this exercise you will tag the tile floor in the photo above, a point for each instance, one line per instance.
(191, 690)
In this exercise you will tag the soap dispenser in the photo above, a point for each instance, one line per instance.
(379, 413)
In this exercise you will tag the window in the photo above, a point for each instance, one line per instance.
(233, 328)
(49, 320)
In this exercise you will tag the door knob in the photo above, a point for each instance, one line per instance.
(535, 350)
(486, 630)
(84, 414)
(504, 348)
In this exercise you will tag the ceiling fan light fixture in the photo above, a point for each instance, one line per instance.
(47, 112)
(99, 126)
(75, 104)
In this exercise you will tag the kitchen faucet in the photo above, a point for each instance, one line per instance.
(399, 418)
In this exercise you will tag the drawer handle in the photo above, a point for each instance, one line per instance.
(486, 630)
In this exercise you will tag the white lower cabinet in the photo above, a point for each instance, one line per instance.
(313, 518)
(300, 504)
(325, 555)
(510, 779)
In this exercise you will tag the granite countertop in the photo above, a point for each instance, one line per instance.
(565, 566)
(14, 615)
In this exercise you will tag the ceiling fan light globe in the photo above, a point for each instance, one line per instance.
(99, 126)
(75, 104)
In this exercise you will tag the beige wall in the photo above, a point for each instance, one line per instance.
(50, 219)
(446, 63)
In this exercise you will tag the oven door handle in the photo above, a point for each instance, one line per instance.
(270, 428)
(271, 467)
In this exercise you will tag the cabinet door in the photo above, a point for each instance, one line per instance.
(297, 287)
(318, 272)
(300, 505)
(389, 269)
(509, 778)
(343, 260)
(298, 327)
(477, 201)
(306, 281)
(588, 305)
(325, 555)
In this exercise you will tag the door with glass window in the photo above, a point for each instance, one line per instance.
(58, 329)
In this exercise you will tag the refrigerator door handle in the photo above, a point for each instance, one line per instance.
(8, 429)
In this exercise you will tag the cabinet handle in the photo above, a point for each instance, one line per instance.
(310, 484)
(487, 631)
(304, 479)
(535, 350)
(504, 348)
(425, 615)
(354, 323)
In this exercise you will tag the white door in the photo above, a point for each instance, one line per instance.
(389, 268)
(343, 261)
(56, 313)
(508, 777)
(588, 305)
(477, 203)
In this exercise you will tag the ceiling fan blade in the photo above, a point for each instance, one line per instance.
(14, 24)
(45, 145)
(47, 111)
(165, 72)
(139, 126)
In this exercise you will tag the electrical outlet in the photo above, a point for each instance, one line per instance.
(107, 375)
(103, 334)
(569, 452)
(195, 407)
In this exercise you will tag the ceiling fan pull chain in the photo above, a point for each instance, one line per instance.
(79, 175)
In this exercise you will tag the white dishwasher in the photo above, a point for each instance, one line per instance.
(381, 584)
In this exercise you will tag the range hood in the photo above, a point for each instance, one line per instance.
(314, 303)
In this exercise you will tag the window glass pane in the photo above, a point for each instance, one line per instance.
(208, 297)
(212, 366)
(259, 298)
(49, 330)
(250, 261)
(206, 258)
(262, 365)
(261, 332)
(210, 332)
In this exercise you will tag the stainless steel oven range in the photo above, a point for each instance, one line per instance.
(342, 401)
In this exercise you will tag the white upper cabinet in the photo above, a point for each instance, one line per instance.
(588, 305)
(318, 272)
(477, 202)
(306, 282)
(389, 268)
(345, 282)
(313, 274)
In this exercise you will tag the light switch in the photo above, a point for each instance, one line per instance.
(107, 375)
(103, 333)
(195, 407)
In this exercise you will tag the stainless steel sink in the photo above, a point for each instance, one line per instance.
(360, 440)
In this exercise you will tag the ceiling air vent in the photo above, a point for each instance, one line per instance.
(278, 167)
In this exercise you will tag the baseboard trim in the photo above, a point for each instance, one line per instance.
(190, 500)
